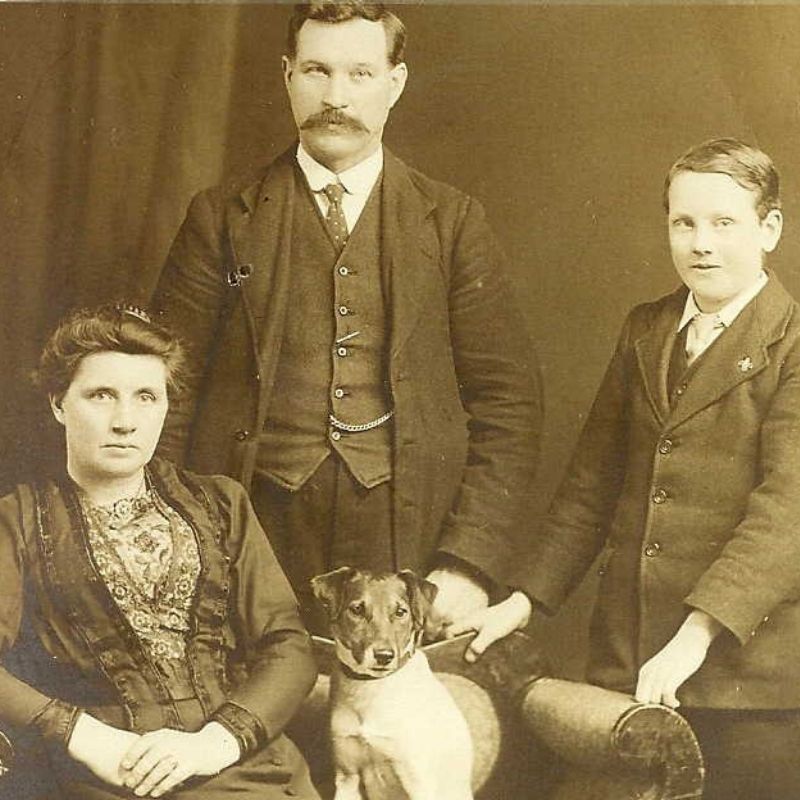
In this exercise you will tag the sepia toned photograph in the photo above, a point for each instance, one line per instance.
(397, 401)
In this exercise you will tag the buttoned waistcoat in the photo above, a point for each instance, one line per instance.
(695, 504)
(462, 376)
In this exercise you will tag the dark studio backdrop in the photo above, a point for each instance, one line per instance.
(562, 120)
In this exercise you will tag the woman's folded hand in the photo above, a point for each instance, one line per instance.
(100, 747)
(161, 760)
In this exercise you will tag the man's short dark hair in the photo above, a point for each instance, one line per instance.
(331, 11)
(750, 167)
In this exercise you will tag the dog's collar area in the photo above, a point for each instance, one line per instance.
(359, 676)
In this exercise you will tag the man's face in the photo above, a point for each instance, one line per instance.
(717, 239)
(341, 87)
(113, 412)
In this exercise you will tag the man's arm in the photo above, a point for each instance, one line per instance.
(575, 526)
(501, 392)
(189, 297)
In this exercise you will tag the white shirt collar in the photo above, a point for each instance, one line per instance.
(357, 180)
(728, 313)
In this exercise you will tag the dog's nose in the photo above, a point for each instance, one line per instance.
(383, 657)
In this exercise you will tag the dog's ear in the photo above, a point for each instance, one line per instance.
(328, 589)
(421, 594)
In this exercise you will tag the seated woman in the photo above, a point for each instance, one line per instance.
(163, 651)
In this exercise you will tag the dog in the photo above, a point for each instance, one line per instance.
(397, 732)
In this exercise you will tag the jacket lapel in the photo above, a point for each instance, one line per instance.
(409, 248)
(739, 354)
(653, 353)
(260, 227)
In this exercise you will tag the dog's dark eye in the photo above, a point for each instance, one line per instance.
(401, 612)
(357, 609)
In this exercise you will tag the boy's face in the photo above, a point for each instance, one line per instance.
(717, 239)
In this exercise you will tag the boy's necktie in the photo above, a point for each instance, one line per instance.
(700, 333)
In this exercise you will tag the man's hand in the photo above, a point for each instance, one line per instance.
(492, 623)
(662, 676)
(100, 747)
(458, 596)
(161, 760)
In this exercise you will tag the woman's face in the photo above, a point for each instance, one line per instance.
(113, 412)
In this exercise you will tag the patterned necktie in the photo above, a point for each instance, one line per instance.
(335, 219)
(700, 334)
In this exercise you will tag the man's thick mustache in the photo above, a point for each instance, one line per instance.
(333, 117)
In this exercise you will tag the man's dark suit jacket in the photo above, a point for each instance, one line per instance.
(462, 376)
(697, 503)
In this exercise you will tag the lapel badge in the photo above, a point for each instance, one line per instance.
(745, 364)
(236, 277)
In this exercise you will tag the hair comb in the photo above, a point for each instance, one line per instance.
(134, 311)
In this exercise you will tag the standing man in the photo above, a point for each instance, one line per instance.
(357, 362)
(687, 478)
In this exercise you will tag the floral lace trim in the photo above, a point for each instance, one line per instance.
(148, 558)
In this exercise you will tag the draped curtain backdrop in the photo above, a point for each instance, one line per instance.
(562, 120)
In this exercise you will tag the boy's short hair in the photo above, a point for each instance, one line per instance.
(750, 167)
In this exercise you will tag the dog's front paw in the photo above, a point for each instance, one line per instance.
(348, 787)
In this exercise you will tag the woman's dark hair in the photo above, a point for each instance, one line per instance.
(119, 328)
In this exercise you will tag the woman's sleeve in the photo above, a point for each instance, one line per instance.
(22, 706)
(281, 665)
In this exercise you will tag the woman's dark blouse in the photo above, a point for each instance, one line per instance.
(66, 644)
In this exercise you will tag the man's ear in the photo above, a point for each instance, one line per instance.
(328, 589)
(56, 407)
(421, 594)
(771, 228)
(286, 66)
(398, 77)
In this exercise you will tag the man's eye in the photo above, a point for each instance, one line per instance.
(361, 74)
(724, 222)
(148, 397)
(101, 394)
(401, 612)
(681, 224)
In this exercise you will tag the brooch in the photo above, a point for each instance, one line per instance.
(745, 364)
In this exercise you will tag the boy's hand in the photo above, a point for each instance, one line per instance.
(665, 673)
(492, 623)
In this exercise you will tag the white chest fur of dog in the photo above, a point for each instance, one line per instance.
(397, 732)
(404, 728)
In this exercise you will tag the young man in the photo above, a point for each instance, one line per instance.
(687, 477)
(357, 360)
